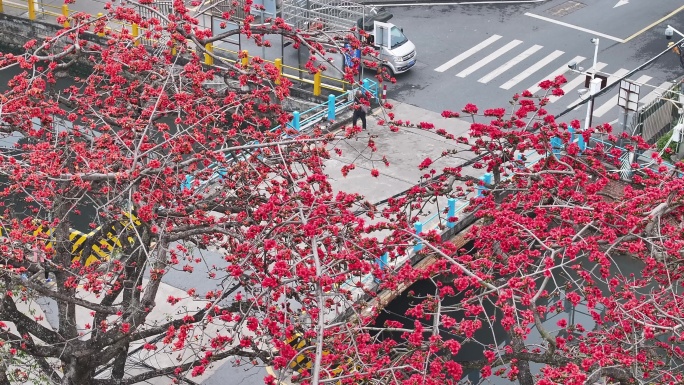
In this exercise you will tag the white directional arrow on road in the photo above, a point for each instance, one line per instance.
(621, 2)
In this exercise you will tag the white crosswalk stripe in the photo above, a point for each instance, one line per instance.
(489, 58)
(560, 71)
(613, 101)
(531, 69)
(651, 96)
(611, 79)
(509, 64)
(527, 64)
(574, 83)
(467, 54)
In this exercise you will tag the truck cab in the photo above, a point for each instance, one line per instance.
(396, 52)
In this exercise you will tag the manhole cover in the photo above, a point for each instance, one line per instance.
(565, 8)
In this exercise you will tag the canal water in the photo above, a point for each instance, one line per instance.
(472, 349)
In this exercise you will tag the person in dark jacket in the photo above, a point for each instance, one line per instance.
(360, 110)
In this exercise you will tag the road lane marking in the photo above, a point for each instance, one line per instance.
(572, 84)
(669, 15)
(613, 101)
(464, 55)
(611, 79)
(653, 95)
(510, 63)
(489, 58)
(560, 71)
(617, 39)
(532, 69)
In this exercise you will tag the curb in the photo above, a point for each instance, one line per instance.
(396, 3)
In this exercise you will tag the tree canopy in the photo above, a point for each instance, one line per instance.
(160, 165)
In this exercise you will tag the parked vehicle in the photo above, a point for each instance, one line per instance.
(338, 17)
(394, 49)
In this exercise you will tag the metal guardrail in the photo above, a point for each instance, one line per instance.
(457, 205)
(32, 9)
(638, 157)
(654, 120)
(301, 122)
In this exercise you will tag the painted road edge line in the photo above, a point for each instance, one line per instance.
(574, 27)
(669, 15)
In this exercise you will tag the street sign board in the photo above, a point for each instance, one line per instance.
(628, 98)
(604, 80)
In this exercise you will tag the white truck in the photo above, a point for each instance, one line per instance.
(394, 49)
(338, 17)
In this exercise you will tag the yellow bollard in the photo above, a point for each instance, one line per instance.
(317, 84)
(135, 32)
(65, 13)
(245, 59)
(208, 60)
(31, 10)
(100, 34)
(1, 9)
(279, 66)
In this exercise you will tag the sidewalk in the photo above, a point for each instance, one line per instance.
(404, 150)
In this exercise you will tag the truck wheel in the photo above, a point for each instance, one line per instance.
(388, 70)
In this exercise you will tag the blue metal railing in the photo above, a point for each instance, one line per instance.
(457, 205)
(304, 120)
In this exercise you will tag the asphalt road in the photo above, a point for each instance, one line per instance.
(527, 43)
(485, 53)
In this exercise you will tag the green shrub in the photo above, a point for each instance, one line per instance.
(661, 144)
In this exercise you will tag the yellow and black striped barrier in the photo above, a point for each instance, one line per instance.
(100, 249)
(302, 362)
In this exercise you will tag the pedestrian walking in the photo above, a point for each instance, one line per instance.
(360, 110)
(39, 259)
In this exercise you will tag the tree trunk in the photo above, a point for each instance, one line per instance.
(524, 374)
(119, 367)
(78, 372)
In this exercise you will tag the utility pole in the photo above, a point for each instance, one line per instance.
(594, 86)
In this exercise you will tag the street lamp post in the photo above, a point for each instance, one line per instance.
(677, 48)
(594, 86)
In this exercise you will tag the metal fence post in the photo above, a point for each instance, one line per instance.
(245, 58)
(208, 59)
(419, 229)
(279, 65)
(31, 10)
(331, 107)
(100, 34)
(295, 120)
(556, 145)
(65, 13)
(135, 32)
(486, 179)
(451, 202)
(317, 84)
(382, 261)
